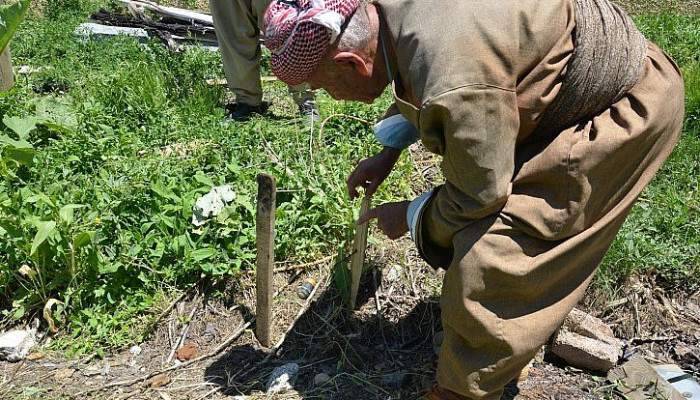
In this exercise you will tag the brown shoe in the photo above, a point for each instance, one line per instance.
(438, 393)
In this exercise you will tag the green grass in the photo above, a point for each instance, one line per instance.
(105, 110)
(661, 237)
(101, 217)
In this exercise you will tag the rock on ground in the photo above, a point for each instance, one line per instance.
(584, 352)
(585, 341)
(589, 326)
(282, 378)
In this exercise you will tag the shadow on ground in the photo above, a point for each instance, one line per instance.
(367, 354)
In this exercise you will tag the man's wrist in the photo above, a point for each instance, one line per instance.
(392, 152)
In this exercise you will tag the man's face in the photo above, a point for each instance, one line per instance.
(343, 82)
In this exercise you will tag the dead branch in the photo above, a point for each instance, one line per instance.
(299, 266)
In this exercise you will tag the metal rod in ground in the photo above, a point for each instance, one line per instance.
(358, 254)
(265, 227)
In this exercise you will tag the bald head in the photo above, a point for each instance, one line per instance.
(353, 68)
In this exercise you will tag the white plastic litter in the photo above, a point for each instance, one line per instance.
(16, 344)
(211, 204)
(88, 30)
(282, 378)
(680, 380)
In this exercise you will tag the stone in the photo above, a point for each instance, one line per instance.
(584, 352)
(209, 332)
(158, 381)
(64, 374)
(589, 326)
(16, 344)
(35, 356)
(394, 273)
(321, 379)
(135, 350)
(282, 378)
(92, 370)
(187, 352)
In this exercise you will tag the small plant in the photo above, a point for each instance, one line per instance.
(11, 15)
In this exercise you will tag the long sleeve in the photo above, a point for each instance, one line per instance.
(395, 131)
(475, 130)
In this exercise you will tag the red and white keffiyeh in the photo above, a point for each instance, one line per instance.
(298, 33)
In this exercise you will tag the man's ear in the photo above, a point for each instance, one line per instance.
(355, 61)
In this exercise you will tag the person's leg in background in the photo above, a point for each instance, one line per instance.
(304, 98)
(239, 42)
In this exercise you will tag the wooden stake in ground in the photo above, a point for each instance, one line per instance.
(265, 226)
(7, 78)
(358, 254)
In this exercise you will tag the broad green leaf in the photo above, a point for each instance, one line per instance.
(203, 179)
(21, 126)
(11, 15)
(45, 228)
(164, 192)
(22, 155)
(20, 144)
(56, 114)
(83, 239)
(67, 212)
(108, 268)
(202, 254)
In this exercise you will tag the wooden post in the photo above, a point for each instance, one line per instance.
(265, 226)
(358, 255)
(7, 79)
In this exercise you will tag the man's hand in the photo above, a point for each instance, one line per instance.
(391, 218)
(371, 172)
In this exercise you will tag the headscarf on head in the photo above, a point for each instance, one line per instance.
(298, 33)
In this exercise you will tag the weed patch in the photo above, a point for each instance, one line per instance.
(109, 145)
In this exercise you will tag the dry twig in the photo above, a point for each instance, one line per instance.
(183, 333)
(304, 309)
(217, 350)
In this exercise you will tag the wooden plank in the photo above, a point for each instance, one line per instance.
(7, 78)
(358, 256)
(265, 227)
(637, 380)
(180, 14)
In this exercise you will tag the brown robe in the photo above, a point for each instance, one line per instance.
(522, 221)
